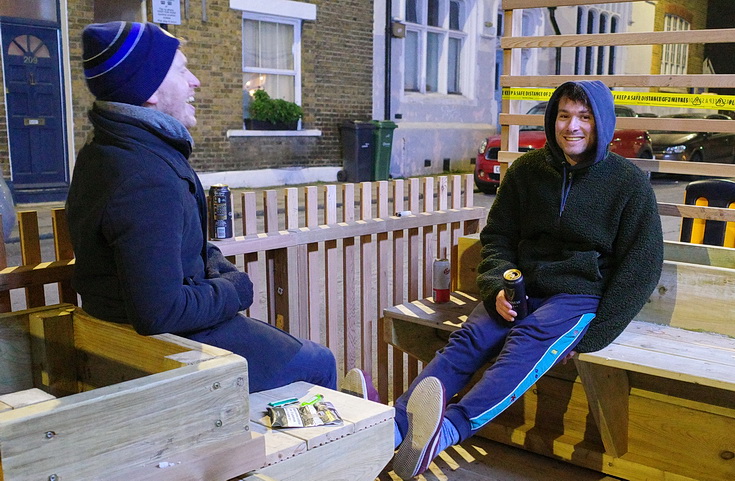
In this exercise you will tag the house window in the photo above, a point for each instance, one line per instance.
(674, 56)
(435, 40)
(599, 60)
(271, 57)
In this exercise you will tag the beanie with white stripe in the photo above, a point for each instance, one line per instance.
(126, 61)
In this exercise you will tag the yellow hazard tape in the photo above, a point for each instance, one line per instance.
(653, 99)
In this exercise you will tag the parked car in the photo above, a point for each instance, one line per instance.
(626, 142)
(694, 146)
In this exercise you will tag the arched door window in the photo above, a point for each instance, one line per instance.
(30, 47)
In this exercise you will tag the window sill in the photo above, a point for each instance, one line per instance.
(274, 133)
(435, 98)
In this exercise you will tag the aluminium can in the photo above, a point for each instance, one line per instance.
(441, 280)
(220, 212)
(515, 292)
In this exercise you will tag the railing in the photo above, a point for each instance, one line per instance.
(27, 279)
(324, 264)
(329, 277)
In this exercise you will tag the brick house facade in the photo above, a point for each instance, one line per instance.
(334, 89)
(336, 80)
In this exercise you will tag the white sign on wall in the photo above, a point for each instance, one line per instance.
(167, 11)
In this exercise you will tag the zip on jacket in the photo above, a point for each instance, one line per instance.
(566, 187)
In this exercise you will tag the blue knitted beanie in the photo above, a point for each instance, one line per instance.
(126, 61)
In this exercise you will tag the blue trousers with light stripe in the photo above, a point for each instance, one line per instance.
(525, 350)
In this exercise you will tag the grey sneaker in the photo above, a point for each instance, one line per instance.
(425, 415)
(355, 383)
(358, 383)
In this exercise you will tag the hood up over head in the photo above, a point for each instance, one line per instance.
(600, 101)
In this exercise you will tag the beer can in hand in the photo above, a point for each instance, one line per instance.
(515, 292)
(220, 212)
(442, 278)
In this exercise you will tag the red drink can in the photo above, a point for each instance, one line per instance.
(441, 280)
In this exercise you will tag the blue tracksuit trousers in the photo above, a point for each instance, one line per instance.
(525, 350)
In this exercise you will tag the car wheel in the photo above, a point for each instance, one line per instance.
(484, 187)
(487, 189)
(697, 157)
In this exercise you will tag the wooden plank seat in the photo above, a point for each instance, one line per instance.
(86, 399)
(357, 450)
(657, 404)
(703, 358)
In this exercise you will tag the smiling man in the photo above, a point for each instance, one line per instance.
(137, 213)
(581, 224)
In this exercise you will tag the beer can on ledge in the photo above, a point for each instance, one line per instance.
(220, 212)
(515, 292)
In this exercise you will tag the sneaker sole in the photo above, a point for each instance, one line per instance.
(425, 411)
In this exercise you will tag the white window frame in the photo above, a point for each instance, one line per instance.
(422, 30)
(587, 59)
(296, 50)
(675, 57)
(273, 11)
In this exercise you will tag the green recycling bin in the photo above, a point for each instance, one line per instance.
(383, 140)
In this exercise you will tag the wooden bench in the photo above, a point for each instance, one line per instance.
(328, 282)
(85, 399)
(657, 404)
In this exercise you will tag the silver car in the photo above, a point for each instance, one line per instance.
(694, 146)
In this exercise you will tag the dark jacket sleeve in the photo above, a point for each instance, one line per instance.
(156, 241)
(499, 239)
(219, 266)
(639, 259)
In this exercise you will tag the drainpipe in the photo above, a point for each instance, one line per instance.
(387, 66)
(552, 17)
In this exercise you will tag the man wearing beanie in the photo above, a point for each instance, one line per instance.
(137, 214)
(582, 226)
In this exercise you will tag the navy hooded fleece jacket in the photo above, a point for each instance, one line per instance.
(590, 228)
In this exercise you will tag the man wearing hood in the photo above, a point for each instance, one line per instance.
(137, 214)
(581, 224)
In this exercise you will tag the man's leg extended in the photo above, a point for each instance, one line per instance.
(533, 346)
(468, 349)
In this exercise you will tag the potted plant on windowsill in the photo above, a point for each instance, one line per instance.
(272, 114)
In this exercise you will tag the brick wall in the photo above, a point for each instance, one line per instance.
(80, 14)
(336, 86)
(693, 11)
(336, 76)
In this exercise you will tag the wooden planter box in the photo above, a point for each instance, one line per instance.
(253, 124)
(124, 406)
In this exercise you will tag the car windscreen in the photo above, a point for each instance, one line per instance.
(539, 109)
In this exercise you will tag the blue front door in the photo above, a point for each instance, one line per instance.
(35, 114)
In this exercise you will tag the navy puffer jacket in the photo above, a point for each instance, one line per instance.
(137, 218)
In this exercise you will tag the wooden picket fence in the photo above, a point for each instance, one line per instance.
(325, 261)
(327, 274)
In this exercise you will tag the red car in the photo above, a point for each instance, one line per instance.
(627, 142)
